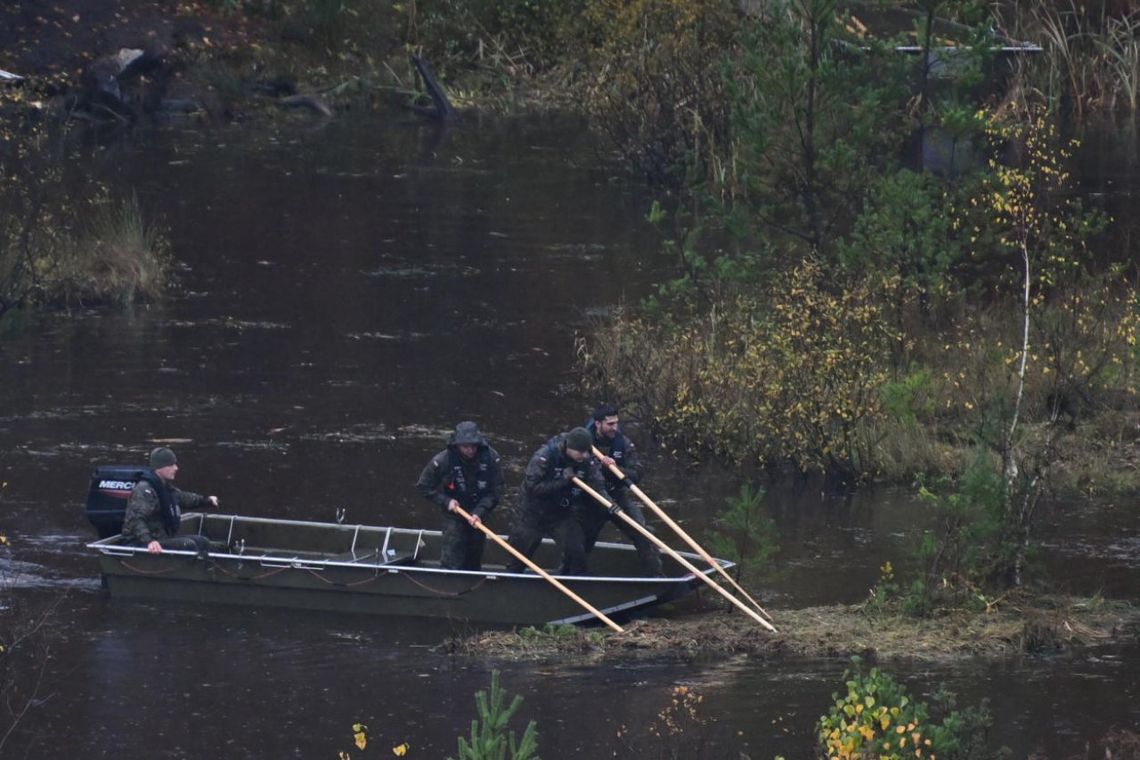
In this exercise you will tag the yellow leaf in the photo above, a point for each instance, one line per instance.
(400, 749)
(360, 734)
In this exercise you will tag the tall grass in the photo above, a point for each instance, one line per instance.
(121, 259)
(1092, 51)
(1121, 47)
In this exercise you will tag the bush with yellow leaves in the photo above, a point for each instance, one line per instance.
(789, 377)
(878, 719)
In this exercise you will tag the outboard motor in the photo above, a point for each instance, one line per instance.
(107, 496)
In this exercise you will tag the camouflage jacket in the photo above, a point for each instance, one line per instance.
(476, 484)
(144, 520)
(546, 490)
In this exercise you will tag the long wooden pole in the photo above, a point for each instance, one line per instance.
(526, 561)
(665, 547)
(680, 532)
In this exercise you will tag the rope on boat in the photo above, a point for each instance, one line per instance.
(266, 574)
(421, 584)
(141, 571)
(439, 592)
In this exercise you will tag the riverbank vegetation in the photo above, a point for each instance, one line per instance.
(885, 274)
(66, 241)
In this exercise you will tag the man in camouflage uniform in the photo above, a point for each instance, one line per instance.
(549, 499)
(607, 437)
(154, 508)
(466, 474)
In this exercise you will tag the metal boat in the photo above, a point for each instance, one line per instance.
(379, 570)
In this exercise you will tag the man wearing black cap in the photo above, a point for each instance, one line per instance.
(619, 451)
(154, 508)
(466, 474)
(549, 499)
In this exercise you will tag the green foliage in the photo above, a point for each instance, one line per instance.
(654, 85)
(961, 553)
(963, 732)
(490, 739)
(834, 305)
(877, 719)
(904, 400)
(743, 532)
(563, 636)
(904, 229)
(810, 125)
(883, 593)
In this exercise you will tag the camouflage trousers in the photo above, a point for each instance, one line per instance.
(460, 546)
(199, 544)
(593, 518)
(563, 527)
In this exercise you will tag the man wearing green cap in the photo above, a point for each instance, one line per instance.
(466, 474)
(549, 497)
(154, 508)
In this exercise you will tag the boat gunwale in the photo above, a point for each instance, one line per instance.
(108, 548)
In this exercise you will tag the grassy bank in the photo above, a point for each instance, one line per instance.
(64, 240)
(1016, 625)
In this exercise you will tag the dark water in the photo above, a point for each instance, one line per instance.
(347, 295)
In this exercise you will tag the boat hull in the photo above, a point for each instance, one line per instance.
(379, 571)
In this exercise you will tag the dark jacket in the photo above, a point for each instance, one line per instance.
(154, 510)
(624, 454)
(546, 490)
(476, 484)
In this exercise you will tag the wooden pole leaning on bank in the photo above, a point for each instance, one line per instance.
(665, 548)
(692, 542)
(553, 581)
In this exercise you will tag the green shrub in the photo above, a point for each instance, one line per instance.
(877, 719)
(490, 739)
(743, 532)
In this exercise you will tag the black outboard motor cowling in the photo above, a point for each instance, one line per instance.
(107, 496)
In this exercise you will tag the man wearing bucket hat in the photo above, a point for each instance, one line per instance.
(466, 474)
(155, 506)
(549, 498)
